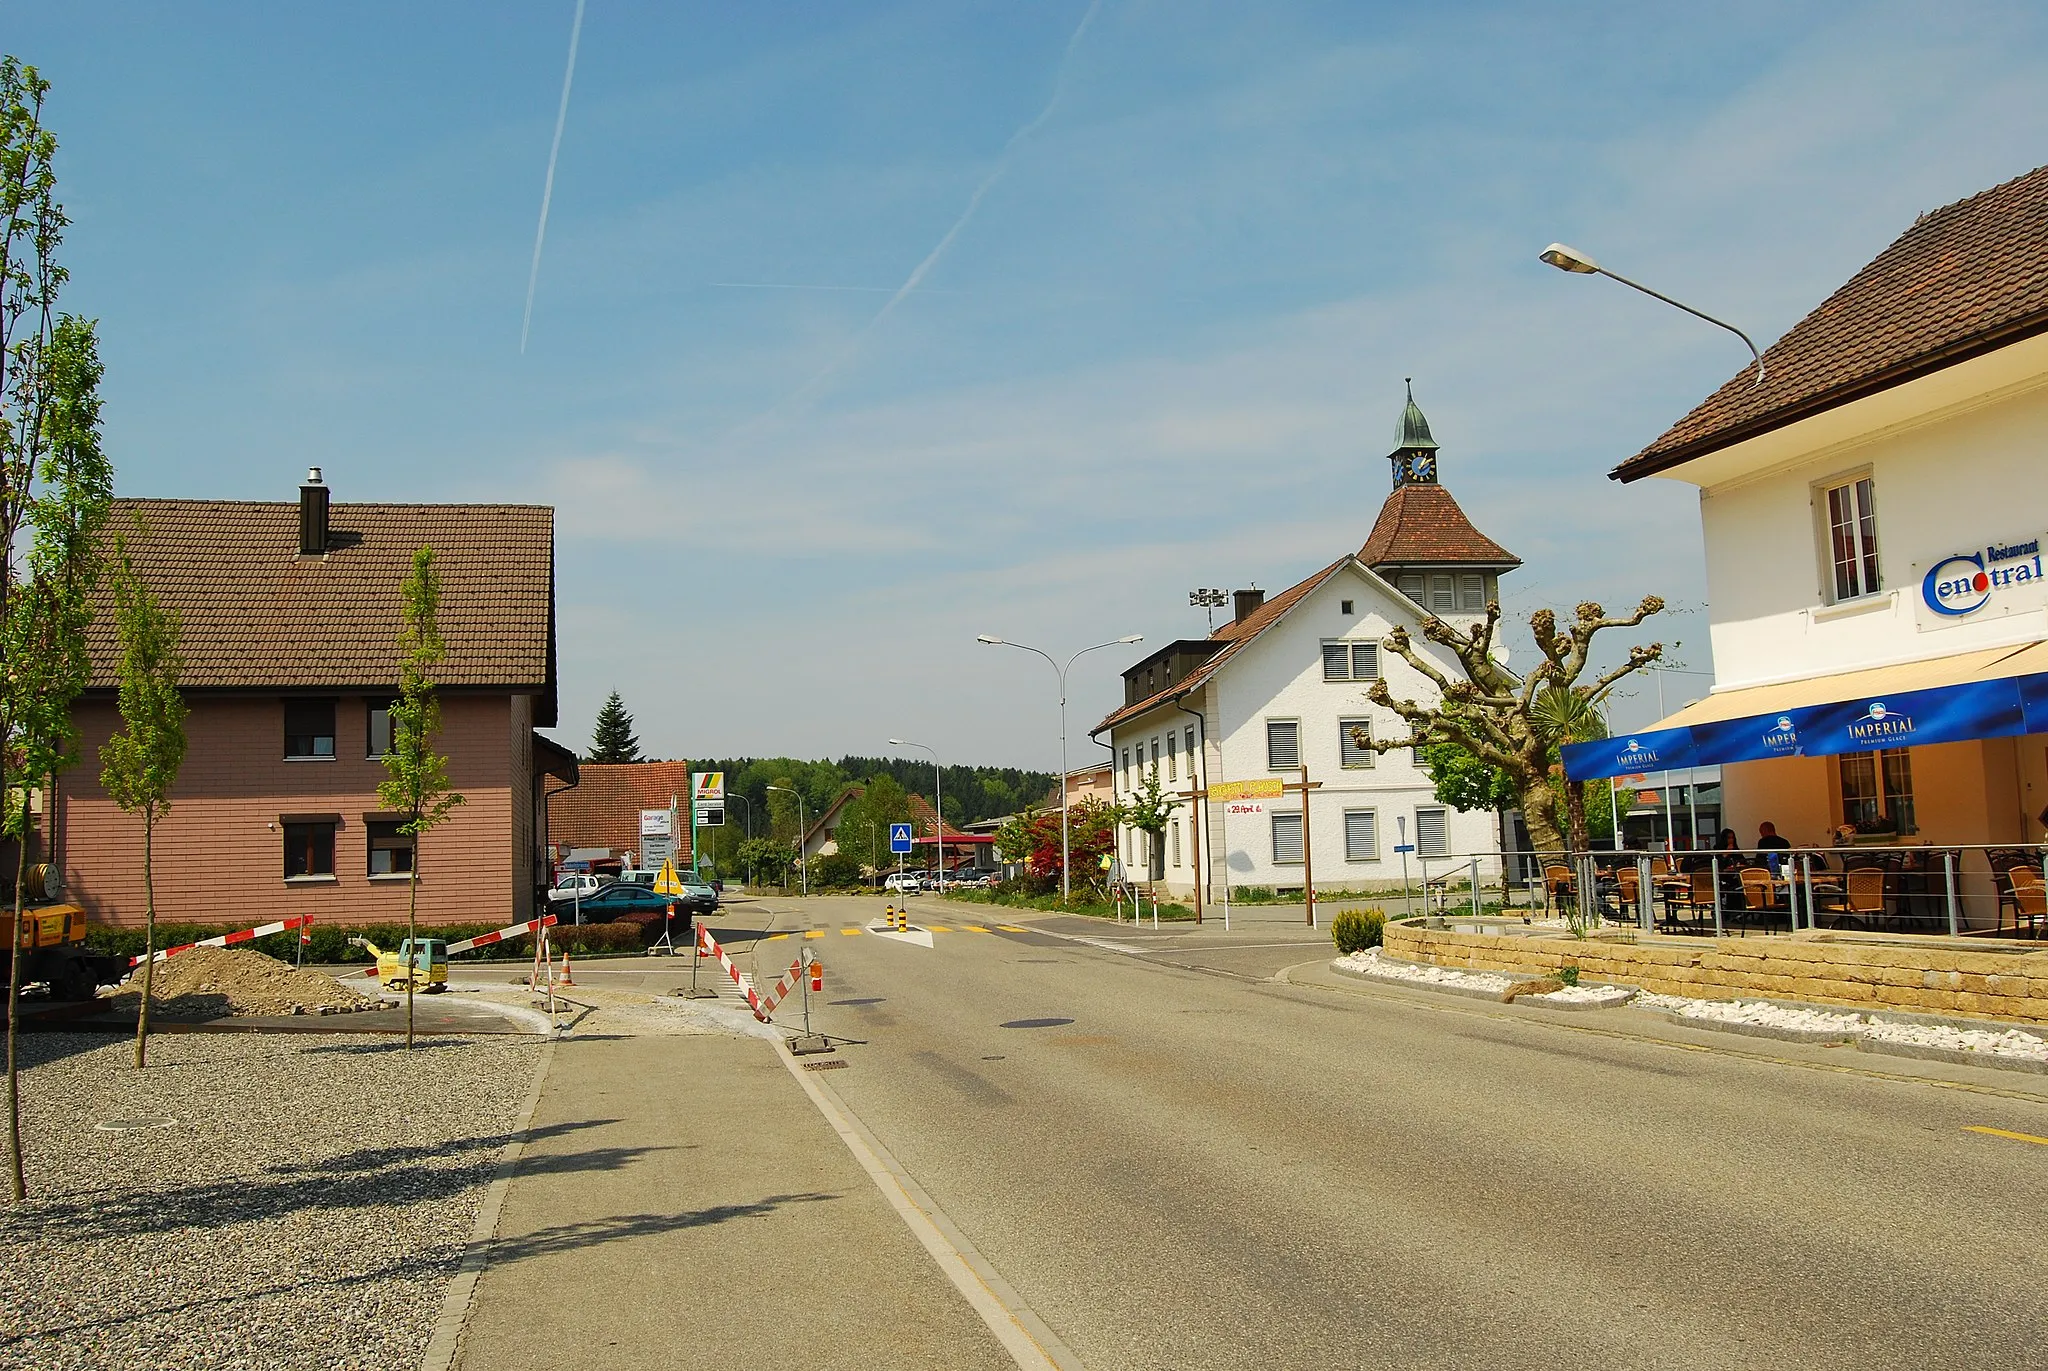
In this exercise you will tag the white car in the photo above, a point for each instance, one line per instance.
(903, 883)
(576, 885)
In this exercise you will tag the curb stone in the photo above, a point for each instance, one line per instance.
(1951, 1054)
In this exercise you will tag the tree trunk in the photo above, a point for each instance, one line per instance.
(148, 934)
(1575, 813)
(1539, 813)
(13, 1002)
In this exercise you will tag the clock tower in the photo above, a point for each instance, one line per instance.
(1414, 454)
(1422, 543)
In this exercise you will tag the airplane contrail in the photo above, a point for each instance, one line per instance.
(547, 193)
(931, 259)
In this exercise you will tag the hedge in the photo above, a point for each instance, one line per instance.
(329, 944)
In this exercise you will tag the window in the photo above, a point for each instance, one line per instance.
(1283, 744)
(1876, 787)
(1443, 594)
(1411, 586)
(1349, 753)
(1155, 756)
(1189, 734)
(1173, 762)
(1852, 538)
(1361, 835)
(309, 850)
(1287, 839)
(1351, 661)
(1128, 784)
(1421, 762)
(1432, 833)
(379, 741)
(1472, 592)
(390, 850)
(1176, 842)
(309, 728)
(1344, 607)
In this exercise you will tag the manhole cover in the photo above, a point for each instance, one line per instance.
(1036, 1023)
(136, 1124)
(826, 1066)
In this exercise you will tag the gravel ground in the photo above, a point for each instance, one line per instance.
(304, 1209)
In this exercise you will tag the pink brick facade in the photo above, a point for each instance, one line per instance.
(219, 854)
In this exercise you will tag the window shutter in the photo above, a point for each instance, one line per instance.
(1350, 753)
(1443, 595)
(1336, 661)
(1365, 661)
(1361, 835)
(1287, 839)
(1432, 833)
(1283, 744)
(1472, 592)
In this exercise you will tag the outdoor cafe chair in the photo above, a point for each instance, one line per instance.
(2013, 871)
(1759, 896)
(1863, 897)
(2030, 899)
(1627, 894)
(1558, 887)
(1695, 897)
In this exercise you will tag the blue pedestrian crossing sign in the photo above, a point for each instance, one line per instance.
(899, 837)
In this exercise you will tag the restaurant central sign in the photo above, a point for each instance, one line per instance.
(1996, 579)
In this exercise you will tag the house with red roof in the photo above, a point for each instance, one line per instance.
(603, 809)
(1277, 693)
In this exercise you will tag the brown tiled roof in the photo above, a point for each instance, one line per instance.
(1421, 523)
(1236, 634)
(1964, 280)
(604, 810)
(921, 815)
(255, 614)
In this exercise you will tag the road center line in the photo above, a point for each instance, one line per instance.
(2003, 1133)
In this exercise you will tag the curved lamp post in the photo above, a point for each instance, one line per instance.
(803, 864)
(1572, 260)
(938, 810)
(1066, 876)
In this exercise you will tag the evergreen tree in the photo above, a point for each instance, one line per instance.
(613, 740)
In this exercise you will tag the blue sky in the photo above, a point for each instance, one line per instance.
(1166, 351)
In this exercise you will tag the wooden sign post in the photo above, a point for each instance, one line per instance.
(1257, 790)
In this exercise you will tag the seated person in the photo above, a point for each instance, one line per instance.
(1768, 841)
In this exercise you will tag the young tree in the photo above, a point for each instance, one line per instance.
(139, 765)
(1148, 810)
(417, 783)
(613, 739)
(864, 823)
(1503, 719)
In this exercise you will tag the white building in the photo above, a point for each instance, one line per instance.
(1873, 516)
(1276, 693)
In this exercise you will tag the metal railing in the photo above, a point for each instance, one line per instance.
(1954, 890)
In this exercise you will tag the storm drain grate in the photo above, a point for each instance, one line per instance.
(826, 1066)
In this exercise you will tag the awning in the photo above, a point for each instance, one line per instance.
(1993, 693)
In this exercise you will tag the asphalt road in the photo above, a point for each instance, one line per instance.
(1177, 1161)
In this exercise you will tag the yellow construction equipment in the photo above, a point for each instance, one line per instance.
(428, 959)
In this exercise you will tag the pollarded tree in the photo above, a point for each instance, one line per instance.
(1508, 721)
(613, 740)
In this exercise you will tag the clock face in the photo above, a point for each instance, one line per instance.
(1423, 467)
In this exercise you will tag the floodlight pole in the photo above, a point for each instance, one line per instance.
(1066, 854)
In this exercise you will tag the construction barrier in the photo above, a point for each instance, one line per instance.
(762, 1004)
(509, 931)
(708, 946)
(230, 939)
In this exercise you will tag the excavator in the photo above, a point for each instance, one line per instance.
(53, 948)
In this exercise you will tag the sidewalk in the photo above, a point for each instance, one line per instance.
(681, 1203)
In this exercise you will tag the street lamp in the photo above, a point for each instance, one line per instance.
(802, 861)
(938, 809)
(1066, 876)
(1572, 260)
(750, 828)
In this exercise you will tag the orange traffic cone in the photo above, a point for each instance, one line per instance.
(568, 972)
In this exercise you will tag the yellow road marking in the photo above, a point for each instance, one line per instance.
(851, 932)
(972, 928)
(937, 928)
(2002, 1133)
(814, 933)
(777, 937)
(1011, 928)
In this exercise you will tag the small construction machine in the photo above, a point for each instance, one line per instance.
(53, 948)
(424, 964)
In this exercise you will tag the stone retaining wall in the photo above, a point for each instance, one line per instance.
(1932, 980)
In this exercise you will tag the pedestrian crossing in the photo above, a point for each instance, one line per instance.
(855, 930)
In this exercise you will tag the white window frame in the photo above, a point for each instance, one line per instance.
(1353, 650)
(1865, 565)
(1273, 765)
(1176, 842)
(1368, 758)
(1278, 818)
(1444, 810)
(1375, 856)
(1172, 758)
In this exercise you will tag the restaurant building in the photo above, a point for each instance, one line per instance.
(1873, 510)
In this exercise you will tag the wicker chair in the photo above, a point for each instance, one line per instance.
(1695, 897)
(2029, 899)
(1759, 897)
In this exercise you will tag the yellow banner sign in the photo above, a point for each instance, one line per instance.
(1268, 789)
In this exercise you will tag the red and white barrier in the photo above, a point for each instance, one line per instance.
(509, 931)
(230, 939)
(784, 986)
(708, 945)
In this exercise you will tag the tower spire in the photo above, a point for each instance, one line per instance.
(1414, 454)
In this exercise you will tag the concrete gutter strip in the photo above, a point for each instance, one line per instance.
(446, 1342)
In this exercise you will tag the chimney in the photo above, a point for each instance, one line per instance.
(1247, 601)
(313, 516)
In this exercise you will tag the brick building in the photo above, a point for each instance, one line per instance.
(603, 810)
(290, 620)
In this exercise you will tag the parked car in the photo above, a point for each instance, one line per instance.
(903, 883)
(569, 884)
(703, 893)
(621, 898)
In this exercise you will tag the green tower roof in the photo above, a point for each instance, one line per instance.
(1413, 432)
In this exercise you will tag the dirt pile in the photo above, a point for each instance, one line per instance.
(207, 982)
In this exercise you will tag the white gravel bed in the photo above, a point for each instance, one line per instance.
(303, 1207)
(1371, 963)
(2009, 1042)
